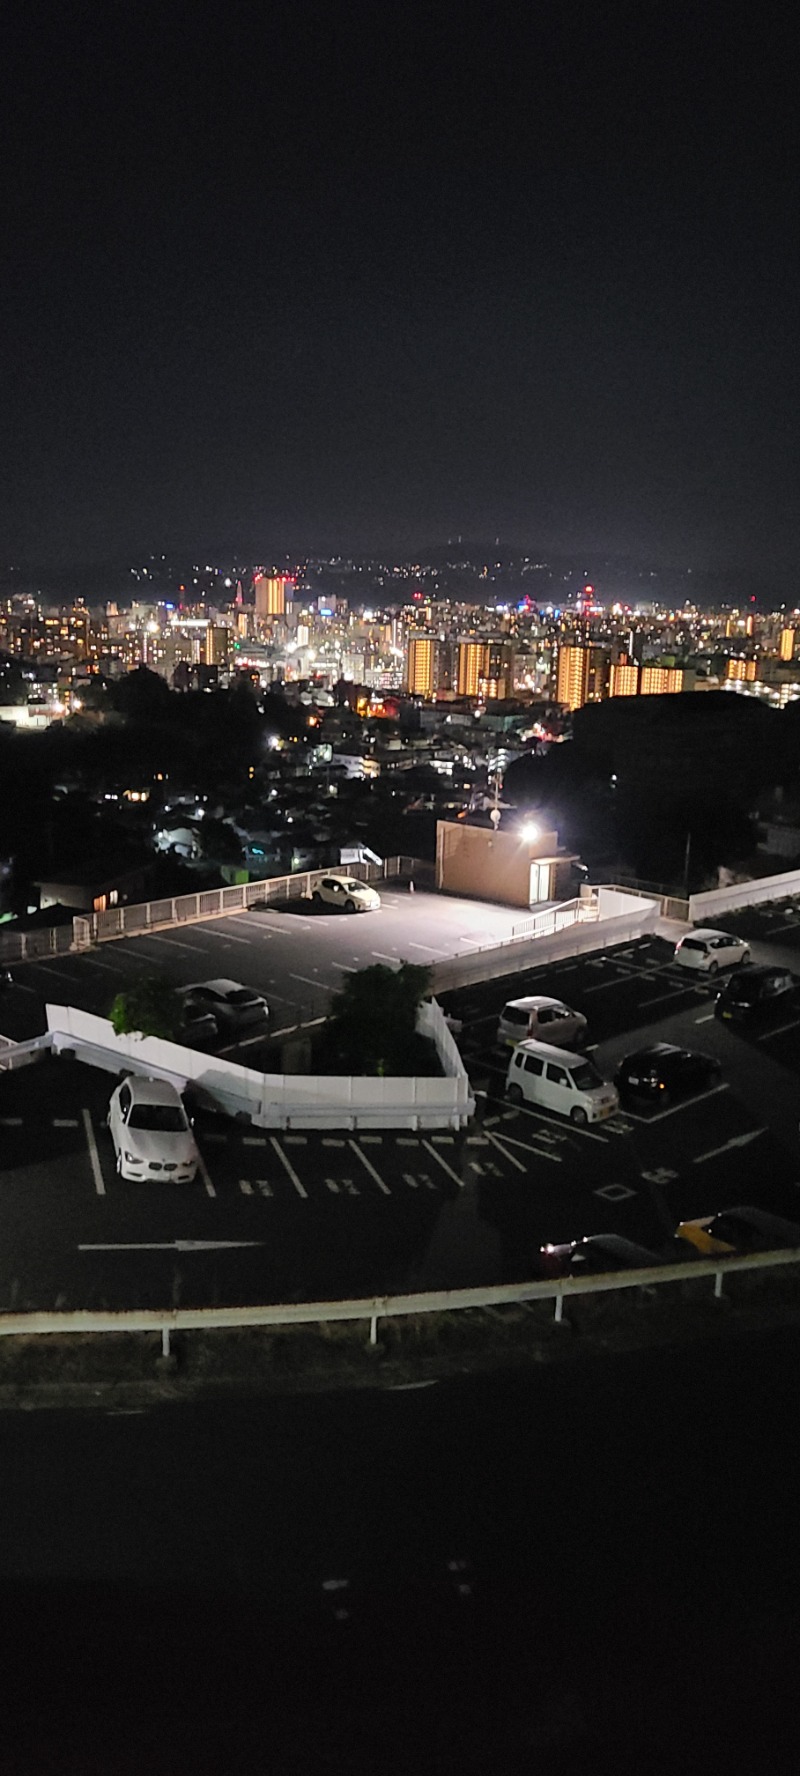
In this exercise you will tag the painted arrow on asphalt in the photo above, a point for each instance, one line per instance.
(171, 1246)
(735, 1141)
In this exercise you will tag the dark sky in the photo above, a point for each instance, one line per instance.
(366, 276)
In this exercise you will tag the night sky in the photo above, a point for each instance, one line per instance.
(365, 277)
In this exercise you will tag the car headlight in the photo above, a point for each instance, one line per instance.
(132, 1158)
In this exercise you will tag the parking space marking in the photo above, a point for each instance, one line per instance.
(707, 1018)
(674, 993)
(687, 1104)
(307, 982)
(287, 1164)
(245, 1186)
(735, 1141)
(781, 1031)
(429, 950)
(10, 1122)
(203, 1170)
(443, 1163)
(332, 1185)
(94, 962)
(65, 1122)
(614, 1193)
(407, 1140)
(575, 1128)
(254, 1140)
(333, 1141)
(368, 1166)
(411, 1181)
(512, 1141)
(380, 956)
(175, 943)
(602, 986)
(60, 972)
(497, 1142)
(94, 1157)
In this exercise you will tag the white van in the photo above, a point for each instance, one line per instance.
(546, 1020)
(556, 1080)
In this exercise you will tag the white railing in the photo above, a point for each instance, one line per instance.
(375, 1308)
(279, 1100)
(182, 909)
(742, 894)
(514, 953)
(556, 918)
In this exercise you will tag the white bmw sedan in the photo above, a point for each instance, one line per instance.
(151, 1132)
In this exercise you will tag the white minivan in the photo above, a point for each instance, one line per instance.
(567, 1083)
(547, 1020)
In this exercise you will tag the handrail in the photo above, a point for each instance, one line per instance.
(377, 1307)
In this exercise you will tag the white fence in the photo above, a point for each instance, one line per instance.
(277, 1100)
(741, 894)
(516, 953)
(181, 909)
(375, 1308)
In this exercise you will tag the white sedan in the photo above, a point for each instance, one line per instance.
(151, 1132)
(347, 893)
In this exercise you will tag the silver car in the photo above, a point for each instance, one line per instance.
(235, 1007)
(546, 1020)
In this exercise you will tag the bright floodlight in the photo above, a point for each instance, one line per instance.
(529, 831)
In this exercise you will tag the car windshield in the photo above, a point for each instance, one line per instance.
(241, 997)
(168, 1119)
(352, 887)
(585, 1077)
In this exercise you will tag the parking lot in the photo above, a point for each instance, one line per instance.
(295, 1216)
(296, 954)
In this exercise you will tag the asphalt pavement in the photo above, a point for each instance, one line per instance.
(306, 1216)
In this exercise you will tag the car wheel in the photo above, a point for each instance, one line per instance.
(514, 1094)
(317, 897)
(349, 906)
(745, 957)
(713, 968)
(578, 1116)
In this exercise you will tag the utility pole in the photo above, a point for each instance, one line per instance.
(686, 866)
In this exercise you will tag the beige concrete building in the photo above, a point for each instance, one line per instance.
(501, 866)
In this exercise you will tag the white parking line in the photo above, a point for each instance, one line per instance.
(228, 937)
(65, 1122)
(435, 1154)
(735, 1141)
(540, 1152)
(203, 1170)
(685, 1104)
(380, 956)
(676, 993)
(60, 972)
(94, 1157)
(782, 1028)
(367, 1163)
(286, 1162)
(496, 1142)
(307, 982)
(10, 1122)
(707, 1017)
(575, 1128)
(94, 962)
(428, 948)
(175, 943)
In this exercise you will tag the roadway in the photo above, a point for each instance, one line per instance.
(312, 1216)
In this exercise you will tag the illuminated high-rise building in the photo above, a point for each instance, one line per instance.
(658, 681)
(786, 645)
(741, 671)
(217, 643)
(582, 675)
(270, 594)
(497, 679)
(421, 665)
(470, 667)
(623, 679)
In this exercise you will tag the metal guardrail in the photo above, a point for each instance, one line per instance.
(375, 1308)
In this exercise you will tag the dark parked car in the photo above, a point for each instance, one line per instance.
(597, 1252)
(742, 1229)
(756, 995)
(657, 1074)
(198, 1026)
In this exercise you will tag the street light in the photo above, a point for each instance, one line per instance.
(529, 831)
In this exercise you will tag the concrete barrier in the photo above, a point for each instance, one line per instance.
(703, 907)
(278, 1100)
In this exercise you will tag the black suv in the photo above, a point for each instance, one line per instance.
(757, 993)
